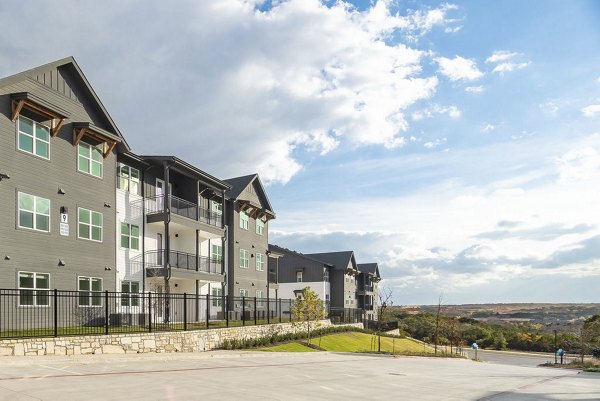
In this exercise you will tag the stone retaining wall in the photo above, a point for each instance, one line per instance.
(136, 343)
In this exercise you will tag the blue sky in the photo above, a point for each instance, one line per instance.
(457, 144)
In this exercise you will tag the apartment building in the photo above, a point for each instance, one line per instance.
(297, 271)
(367, 289)
(343, 278)
(248, 212)
(58, 159)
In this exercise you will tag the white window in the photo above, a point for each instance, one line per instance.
(260, 226)
(260, 298)
(34, 137)
(89, 224)
(90, 159)
(90, 291)
(130, 236)
(129, 293)
(244, 220)
(244, 259)
(129, 179)
(216, 207)
(299, 276)
(325, 275)
(244, 293)
(260, 262)
(34, 212)
(217, 293)
(34, 289)
(217, 253)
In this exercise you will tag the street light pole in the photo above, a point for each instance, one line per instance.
(555, 361)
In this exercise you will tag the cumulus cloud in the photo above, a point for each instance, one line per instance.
(246, 86)
(509, 67)
(591, 111)
(579, 164)
(435, 143)
(459, 68)
(499, 56)
(504, 62)
(474, 89)
(436, 109)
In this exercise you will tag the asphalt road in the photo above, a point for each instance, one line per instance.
(227, 375)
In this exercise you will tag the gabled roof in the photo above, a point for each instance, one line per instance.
(238, 184)
(338, 259)
(69, 63)
(188, 168)
(369, 268)
(279, 249)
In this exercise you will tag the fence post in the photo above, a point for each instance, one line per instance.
(243, 311)
(55, 312)
(149, 312)
(255, 311)
(268, 310)
(207, 310)
(226, 300)
(290, 308)
(106, 312)
(185, 311)
(279, 310)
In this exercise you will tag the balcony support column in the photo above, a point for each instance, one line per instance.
(197, 250)
(167, 239)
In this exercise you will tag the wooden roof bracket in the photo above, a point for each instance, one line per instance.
(77, 135)
(109, 149)
(17, 107)
(57, 127)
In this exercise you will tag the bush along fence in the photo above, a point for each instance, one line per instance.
(43, 313)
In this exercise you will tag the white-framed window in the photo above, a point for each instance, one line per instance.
(299, 276)
(217, 293)
(216, 207)
(260, 226)
(34, 137)
(244, 258)
(325, 275)
(34, 212)
(244, 293)
(90, 159)
(89, 224)
(216, 253)
(129, 179)
(260, 262)
(34, 289)
(260, 302)
(130, 236)
(130, 293)
(244, 218)
(90, 291)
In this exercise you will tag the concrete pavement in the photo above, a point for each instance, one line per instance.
(227, 375)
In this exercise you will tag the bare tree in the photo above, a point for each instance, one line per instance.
(385, 295)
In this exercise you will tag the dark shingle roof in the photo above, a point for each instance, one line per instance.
(238, 184)
(279, 249)
(372, 268)
(338, 259)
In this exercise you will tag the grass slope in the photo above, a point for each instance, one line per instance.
(289, 347)
(361, 342)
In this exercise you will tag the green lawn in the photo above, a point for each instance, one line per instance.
(289, 347)
(361, 342)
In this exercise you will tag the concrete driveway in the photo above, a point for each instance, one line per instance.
(227, 375)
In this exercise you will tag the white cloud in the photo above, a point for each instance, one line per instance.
(487, 128)
(579, 164)
(459, 68)
(509, 67)
(591, 110)
(474, 89)
(453, 29)
(435, 143)
(435, 109)
(499, 56)
(550, 107)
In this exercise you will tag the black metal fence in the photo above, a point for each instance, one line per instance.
(37, 313)
(381, 325)
(345, 315)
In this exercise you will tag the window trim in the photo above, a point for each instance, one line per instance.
(35, 213)
(216, 207)
(83, 144)
(128, 294)
(129, 236)
(34, 138)
(262, 261)
(299, 275)
(34, 289)
(90, 292)
(244, 220)
(91, 225)
(260, 225)
(247, 258)
(216, 299)
(129, 178)
(219, 257)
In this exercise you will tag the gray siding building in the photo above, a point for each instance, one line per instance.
(343, 277)
(248, 213)
(58, 147)
(367, 290)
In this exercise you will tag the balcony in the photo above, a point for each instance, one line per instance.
(365, 290)
(155, 205)
(183, 265)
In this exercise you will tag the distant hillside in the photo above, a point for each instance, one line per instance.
(546, 314)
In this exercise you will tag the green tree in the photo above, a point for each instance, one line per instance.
(308, 310)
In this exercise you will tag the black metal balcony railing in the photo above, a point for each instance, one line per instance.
(183, 260)
(272, 277)
(182, 207)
